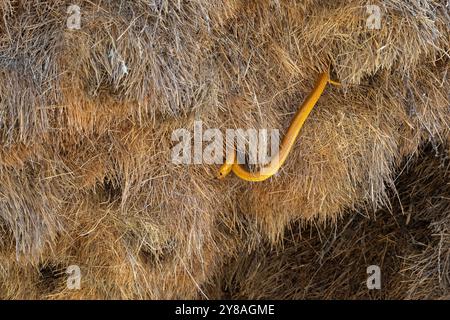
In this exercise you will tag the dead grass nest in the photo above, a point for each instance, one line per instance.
(86, 118)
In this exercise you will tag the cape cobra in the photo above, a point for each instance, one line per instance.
(287, 143)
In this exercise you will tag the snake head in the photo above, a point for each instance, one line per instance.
(224, 170)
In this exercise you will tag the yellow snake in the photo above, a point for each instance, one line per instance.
(287, 143)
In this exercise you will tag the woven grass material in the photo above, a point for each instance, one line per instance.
(86, 118)
(409, 240)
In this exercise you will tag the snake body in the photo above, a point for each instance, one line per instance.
(287, 143)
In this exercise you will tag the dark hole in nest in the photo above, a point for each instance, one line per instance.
(51, 277)
(112, 190)
(420, 184)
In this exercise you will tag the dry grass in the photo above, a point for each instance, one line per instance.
(410, 241)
